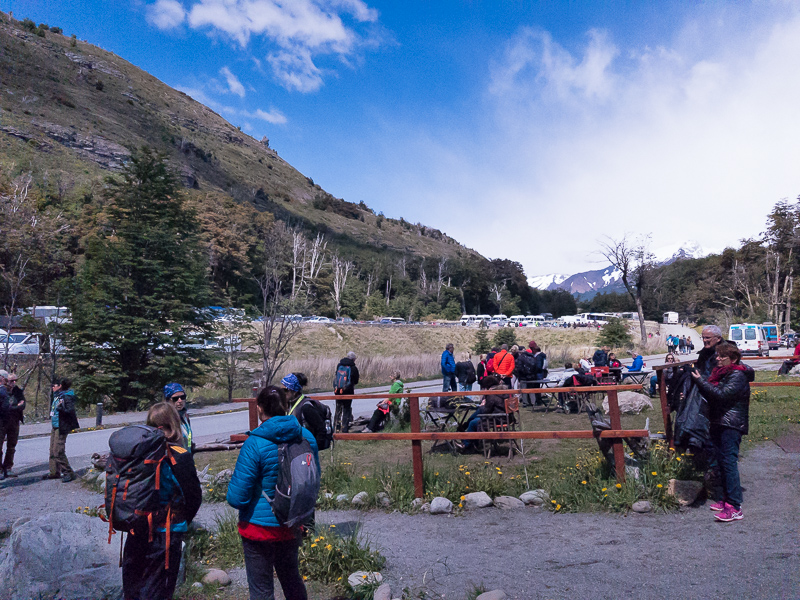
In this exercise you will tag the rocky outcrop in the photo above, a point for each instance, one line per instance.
(97, 149)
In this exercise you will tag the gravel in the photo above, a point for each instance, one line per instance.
(533, 554)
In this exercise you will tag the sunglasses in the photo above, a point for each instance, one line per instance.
(174, 398)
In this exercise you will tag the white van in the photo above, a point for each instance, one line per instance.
(516, 320)
(749, 338)
(484, 318)
(467, 319)
(670, 317)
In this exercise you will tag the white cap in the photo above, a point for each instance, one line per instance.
(4, 374)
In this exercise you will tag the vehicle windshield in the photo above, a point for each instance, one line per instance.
(14, 338)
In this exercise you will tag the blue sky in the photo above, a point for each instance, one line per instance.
(526, 130)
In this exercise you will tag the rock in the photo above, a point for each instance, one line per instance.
(342, 498)
(633, 472)
(508, 502)
(61, 555)
(630, 403)
(197, 584)
(795, 370)
(441, 506)
(416, 503)
(426, 508)
(384, 592)
(203, 475)
(217, 576)
(535, 497)
(99, 461)
(685, 492)
(477, 500)
(383, 499)
(641, 506)
(360, 499)
(223, 476)
(19, 522)
(328, 495)
(361, 577)
(493, 595)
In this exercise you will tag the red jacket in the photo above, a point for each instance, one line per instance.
(503, 363)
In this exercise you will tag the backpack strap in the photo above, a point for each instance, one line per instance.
(111, 510)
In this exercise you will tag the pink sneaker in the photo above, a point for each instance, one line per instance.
(729, 513)
(718, 506)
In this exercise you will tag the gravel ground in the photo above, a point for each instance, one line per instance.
(533, 554)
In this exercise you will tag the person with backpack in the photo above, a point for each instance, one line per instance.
(63, 419)
(344, 384)
(268, 543)
(152, 554)
(385, 406)
(9, 431)
(465, 373)
(312, 414)
(174, 392)
(503, 365)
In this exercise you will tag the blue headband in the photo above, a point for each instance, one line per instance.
(290, 383)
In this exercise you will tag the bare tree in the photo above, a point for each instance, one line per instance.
(275, 329)
(234, 334)
(316, 260)
(440, 277)
(497, 292)
(634, 262)
(341, 269)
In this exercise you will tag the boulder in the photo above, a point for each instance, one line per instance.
(426, 508)
(216, 576)
(342, 498)
(795, 370)
(441, 506)
(630, 403)
(535, 497)
(328, 495)
(493, 595)
(685, 492)
(384, 592)
(383, 499)
(360, 499)
(19, 522)
(60, 555)
(632, 472)
(223, 476)
(197, 584)
(477, 500)
(361, 577)
(641, 506)
(416, 503)
(508, 502)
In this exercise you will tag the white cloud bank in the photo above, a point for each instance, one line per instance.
(697, 139)
(297, 31)
(234, 85)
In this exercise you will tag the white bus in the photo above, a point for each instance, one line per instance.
(671, 318)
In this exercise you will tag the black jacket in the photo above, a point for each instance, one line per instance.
(67, 417)
(729, 400)
(465, 372)
(186, 474)
(349, 362)
(600, 358)
(17, 404)
(705, 362)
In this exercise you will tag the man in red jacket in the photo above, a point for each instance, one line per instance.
(503, 364)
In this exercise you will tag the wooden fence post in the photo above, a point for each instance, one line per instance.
(416, 448)
(616, 423)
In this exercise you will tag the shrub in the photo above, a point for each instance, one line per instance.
(29, 25)
(73, 40)
(330, 558)
(505, 335)
(482, 343)
(615, 334)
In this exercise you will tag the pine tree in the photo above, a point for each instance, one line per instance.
(137, 309)
(505, 335)
(482, 343)
(615, 334)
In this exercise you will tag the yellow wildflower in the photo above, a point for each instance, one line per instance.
(558, 507)
(619, 486)
(583, 482)
(329, 547)
(659, 486)
(604, 489)
(313, 545)
(653, 473)
(678, 458)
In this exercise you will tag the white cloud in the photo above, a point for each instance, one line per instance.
(166, 14)
(234, 85)
(299, 31)
(203, 98)
(273, 116)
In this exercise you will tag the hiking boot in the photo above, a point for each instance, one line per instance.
(51, 476)
(729, 513)
(718, 506)
(10, 473)
(68, 477)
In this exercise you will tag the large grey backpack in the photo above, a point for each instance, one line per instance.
(298, 483)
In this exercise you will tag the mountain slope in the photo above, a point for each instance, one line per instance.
(72, 112)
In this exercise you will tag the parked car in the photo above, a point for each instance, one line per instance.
(392, 321)
(320, 320)
(344, 320)
(789, 340)
(20, 343)
(498, 322)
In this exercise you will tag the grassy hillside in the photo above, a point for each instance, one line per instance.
(71, 112)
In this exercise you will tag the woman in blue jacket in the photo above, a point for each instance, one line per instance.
(267, 545)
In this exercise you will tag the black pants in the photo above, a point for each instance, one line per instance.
(144, 573)
(9, 433)
(376, 422)
(259, 560)
(344, 414)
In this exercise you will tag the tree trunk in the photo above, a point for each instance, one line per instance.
(641, 319)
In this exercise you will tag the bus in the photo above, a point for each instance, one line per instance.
(671, 318)
(771, 335)
(749, 338)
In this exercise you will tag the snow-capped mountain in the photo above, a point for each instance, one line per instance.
(546, 282)
(608, 279)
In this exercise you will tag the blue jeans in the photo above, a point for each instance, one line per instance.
(472, 426)
(725, 458)
(465, 387)
(449, 383)
(653, 381)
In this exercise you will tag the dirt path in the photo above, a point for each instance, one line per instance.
(536, 555)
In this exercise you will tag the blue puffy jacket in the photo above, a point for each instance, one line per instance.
(448, 363)
(257, 469)
(638, 362)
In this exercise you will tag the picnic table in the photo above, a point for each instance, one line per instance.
(444, 418)
(530, 399)
(640, 377)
